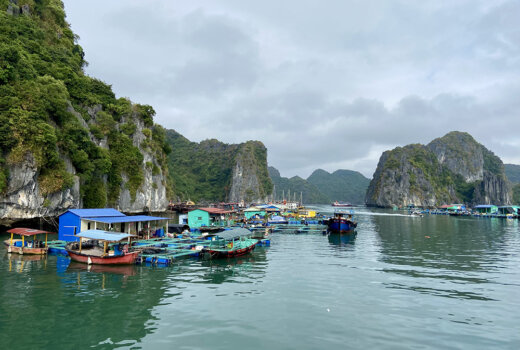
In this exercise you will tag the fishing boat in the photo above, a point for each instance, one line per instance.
(341, 222)
(230, 244)
(27, 246)
(101, 247)
(341, 204)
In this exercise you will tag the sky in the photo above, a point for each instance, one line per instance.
(323, 84)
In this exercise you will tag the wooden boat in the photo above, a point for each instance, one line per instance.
(99, 248)
(230, 244)
(26, 246)
(341, 204)
(341, 223)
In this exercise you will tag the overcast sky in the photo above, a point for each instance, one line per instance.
(323, 84)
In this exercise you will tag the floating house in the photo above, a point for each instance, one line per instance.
(209, 217)
(74, 221)
(509, 210)
(454, 207)
(253, 211)
(486, 209)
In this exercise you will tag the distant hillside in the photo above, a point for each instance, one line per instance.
(513, 173)
(214, 171)
(341, 185)
(310, 193)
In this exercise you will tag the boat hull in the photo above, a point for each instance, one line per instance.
(127, 259)
(341, 226)
(342, 205)
(231, 253)
(25, 250)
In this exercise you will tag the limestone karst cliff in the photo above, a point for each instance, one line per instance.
(453, 168)
(66, 141)
(214, 171)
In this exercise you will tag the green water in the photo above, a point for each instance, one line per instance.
(401, 283)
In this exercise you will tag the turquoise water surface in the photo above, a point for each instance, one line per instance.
(436, 282)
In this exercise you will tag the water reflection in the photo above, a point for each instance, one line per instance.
(457, 252)
(342, 239)
(126, 270)
(241, 269)
(113, 303)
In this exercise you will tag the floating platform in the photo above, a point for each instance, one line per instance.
(160, 251)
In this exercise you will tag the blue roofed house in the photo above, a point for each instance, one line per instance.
(74, 221)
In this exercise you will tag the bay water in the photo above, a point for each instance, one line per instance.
(401, 282)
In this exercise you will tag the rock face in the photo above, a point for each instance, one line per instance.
(24, 198)
(66, 141)
(212, 171)
(454, 168)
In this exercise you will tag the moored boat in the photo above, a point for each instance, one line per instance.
(341, 222)
(341, 204)
(26, 246)
(230, 244)
(101, 247)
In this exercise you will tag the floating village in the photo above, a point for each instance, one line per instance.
(105, 236)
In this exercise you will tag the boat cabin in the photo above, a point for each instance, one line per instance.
(101, 243)
(28, 243)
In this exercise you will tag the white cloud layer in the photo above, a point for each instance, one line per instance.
(323, 84)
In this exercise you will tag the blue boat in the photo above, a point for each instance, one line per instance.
(341, 222)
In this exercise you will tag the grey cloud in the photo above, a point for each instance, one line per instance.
(323, 85)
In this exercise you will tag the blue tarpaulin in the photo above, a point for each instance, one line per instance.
(82, 213)
(104, 235)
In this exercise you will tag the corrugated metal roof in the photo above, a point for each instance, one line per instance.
(26, 231)
(216, 210)
(104, 235)
(484, 206)
(100, 212)
(118, 219)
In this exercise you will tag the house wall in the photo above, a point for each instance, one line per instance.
(198, 218)
(67, 222)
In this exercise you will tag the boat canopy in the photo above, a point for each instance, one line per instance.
(119, 219)
(104, 235)
(26, 231)
(234, 233)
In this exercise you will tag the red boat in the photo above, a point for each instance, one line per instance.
(23, 246)
(125, 259)
(92, 252)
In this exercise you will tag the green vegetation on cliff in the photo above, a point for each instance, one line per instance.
(204, 171)
(296, 185)
(341, 185)
(46, 109)
(454, 167)
(516, 194)
(513, 173)
(322, 187)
